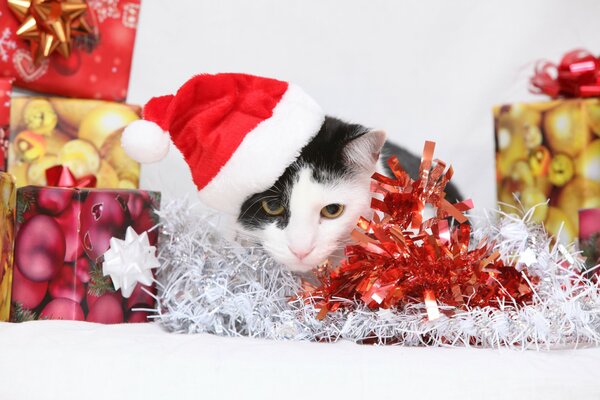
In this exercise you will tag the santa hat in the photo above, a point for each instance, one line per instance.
(238, 133)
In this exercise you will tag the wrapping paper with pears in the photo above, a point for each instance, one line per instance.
(83, 135)
(549, 151)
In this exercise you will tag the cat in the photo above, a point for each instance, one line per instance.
(308, 214)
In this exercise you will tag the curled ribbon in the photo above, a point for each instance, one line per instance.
(62, 176)
(577, 75)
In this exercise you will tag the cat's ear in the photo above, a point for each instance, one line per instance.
(364, 150)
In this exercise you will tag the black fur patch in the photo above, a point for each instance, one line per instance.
(324, 155)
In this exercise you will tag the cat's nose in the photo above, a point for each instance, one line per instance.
(300, 253)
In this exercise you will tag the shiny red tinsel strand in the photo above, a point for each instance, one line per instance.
(401, 258)
(577, 75)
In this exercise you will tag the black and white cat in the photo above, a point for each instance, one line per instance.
(307, 215)
(264, 153)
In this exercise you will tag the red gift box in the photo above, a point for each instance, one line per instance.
(61, 237)
(99, 64)
(5, 92)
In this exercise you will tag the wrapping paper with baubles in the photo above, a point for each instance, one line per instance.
(84, 253)
(5, 93)
(83, 135)
(7, 220)
(550, 151)
(73, 48)
(589, 237)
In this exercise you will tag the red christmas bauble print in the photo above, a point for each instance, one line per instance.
(40, 248)
(91, 297)
(67, 66)
(54, 200)
(144, 223)
(27, 293)
(66, 285)
(69, 222)
(103, 216)
(31, 211)
(139, 297)
(138, 317)
(82, 269)
(63, 309)
(107, 309)
(137, 203)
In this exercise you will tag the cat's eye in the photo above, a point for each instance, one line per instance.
(273, 207)
(332, 211)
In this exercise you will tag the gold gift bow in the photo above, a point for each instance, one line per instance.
(49, 25)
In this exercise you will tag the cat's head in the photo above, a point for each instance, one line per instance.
(311, 209)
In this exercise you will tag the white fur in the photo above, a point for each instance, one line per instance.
(265, 152)
(309, 232)
(366, 148)
(145, 141)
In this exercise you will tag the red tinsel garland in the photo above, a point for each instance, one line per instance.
(401, 258)
(577, 75)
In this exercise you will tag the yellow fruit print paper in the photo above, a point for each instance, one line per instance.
(549, 151)
(83, 135)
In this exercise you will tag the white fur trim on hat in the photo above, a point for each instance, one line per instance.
(145, 141)
(265, 152)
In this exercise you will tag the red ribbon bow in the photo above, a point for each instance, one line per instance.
(577, 75)
(61, 176)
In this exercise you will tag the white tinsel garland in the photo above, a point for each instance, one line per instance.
(209, 284)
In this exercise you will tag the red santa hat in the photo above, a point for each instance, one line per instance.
(238, 133)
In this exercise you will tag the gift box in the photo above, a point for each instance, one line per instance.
(83, 135)
(7, 219)
(5, 92)
(589, 236)
(100, 48)
(549, 151)
(68, 244)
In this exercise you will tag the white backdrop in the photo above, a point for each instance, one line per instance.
(429, 69)
(420, 69)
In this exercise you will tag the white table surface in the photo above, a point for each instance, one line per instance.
(76, 360)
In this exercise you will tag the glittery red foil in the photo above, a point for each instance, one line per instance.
(577, 75)
(399, 257)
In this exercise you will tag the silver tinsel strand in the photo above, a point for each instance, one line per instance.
(210, 284)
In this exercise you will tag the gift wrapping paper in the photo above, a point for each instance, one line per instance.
(83, 135)
(61, 237)
(99, 63)
(549, 151)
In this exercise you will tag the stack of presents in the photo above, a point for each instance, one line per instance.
(68, 187)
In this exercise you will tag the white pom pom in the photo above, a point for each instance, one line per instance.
(145, 141)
